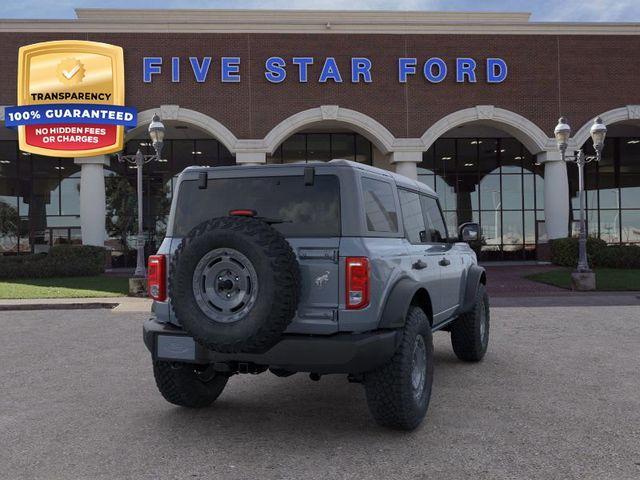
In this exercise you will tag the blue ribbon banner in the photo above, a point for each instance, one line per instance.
(70, 113)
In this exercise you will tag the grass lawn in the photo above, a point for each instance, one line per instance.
(70, 287)
(607, 279)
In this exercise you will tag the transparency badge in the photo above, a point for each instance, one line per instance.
(70, 99)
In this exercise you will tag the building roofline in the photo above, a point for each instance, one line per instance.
(285, 15)
(310, 21)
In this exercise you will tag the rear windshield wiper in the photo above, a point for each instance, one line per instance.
(254, 214)
(272, 221)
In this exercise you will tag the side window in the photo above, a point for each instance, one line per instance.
(436, 230)
(380, 206)
(412, 217)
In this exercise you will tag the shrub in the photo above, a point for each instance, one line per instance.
(618, 256)
(61, 261)
(564, 252)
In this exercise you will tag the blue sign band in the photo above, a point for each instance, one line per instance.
(70, 113)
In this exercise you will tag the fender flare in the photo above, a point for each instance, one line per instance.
(474, 278)
(394, 313)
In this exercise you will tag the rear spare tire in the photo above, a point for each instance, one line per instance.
(234, 284)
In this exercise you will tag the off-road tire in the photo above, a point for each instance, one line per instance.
(278, 288)
(468, 339)
(180, 384)
(389, 390)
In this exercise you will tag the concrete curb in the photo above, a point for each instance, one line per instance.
(572, 299)
(115, 304)
(56, 306)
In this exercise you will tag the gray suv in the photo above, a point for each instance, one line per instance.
(322, 268)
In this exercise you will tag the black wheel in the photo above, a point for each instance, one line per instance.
(187, 385)
(234, 284)
(470, 332)
(398, 393)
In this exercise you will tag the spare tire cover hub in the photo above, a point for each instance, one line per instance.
(225, 285)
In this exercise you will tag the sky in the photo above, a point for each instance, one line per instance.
(542, 10)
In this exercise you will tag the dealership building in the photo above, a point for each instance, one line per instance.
(464, 102)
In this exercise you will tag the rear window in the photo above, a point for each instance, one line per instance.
(304, 210)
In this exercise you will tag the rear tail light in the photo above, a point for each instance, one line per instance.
(157, 277)
(357, 281)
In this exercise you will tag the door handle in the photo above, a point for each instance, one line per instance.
(444, 262)
(419, 265)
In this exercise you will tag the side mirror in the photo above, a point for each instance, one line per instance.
(469, 232)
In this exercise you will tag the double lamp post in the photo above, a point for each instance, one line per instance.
(583, 278)
(156, 133)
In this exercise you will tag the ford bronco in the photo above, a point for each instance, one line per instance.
(325, 268)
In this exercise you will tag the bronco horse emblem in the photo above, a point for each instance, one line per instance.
(322, 279)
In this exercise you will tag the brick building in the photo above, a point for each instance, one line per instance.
(465, 102)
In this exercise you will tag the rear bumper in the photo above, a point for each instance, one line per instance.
(339, 353)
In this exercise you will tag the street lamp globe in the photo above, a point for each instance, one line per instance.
(562, 133)
(156, 132)
(598, 132)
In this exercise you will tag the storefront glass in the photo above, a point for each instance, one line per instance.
(493, 181)
(39, 201)
(307, 147)
(612, 192)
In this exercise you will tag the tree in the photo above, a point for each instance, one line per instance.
(9, 222)
(121, 209)
(161, 201)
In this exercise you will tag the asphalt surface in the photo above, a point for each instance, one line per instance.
(558, 396)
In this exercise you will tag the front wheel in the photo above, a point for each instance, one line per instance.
(470, 332)
(398, 393)
(187, 385)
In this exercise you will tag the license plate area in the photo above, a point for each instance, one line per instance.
(175, 347)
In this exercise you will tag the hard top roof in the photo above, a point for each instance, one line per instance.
(400, 180)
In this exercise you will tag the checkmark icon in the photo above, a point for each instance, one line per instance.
(71, 73)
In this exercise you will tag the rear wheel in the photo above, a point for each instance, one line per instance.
(470, 332)
(398, 393)
(187, 385)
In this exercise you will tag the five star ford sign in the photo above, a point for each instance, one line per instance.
(70, 99)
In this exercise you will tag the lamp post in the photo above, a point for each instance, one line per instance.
(562, 133)
(156, 133)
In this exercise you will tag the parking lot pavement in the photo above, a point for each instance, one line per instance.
(558, 396)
